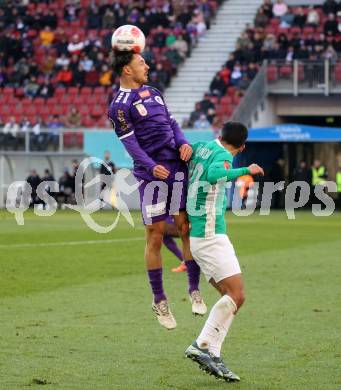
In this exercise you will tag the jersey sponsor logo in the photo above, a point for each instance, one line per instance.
(141, 109)
(122, 120)
(159, 100)
(144, 94)
(226, 165)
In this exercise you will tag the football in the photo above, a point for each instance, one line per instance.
(128, 38)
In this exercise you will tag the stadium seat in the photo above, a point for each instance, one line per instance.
(285, 71)
(337, 72)
(272, 73)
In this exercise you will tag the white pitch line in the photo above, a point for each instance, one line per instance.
(71, 243)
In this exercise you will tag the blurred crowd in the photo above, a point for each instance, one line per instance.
(280, 32)
(49, 44)
(57, 54)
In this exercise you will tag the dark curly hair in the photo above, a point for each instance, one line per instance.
(120, 59)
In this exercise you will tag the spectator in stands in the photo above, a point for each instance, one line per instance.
(31, 88)
(108, 20)
(48, 64)
(252, 71)
(200, 24)
(162, 75)
(10, 132)
(330, 7)
(181, 46)
(218, 86)
(287, 19)
(313, 17)
(94, 19)
(71, 11)
(267, 8)
(330, 26)
(244, 82)
(46, 36)
(159, 37)
(73, 118)
(53, 127)
(261, 19)
(37, 139)
(206, 104)
(244, 40)
(87, 63)
(34, 180)
(330, 54)
(300, 17)
(92, 77)
(25, 125)
(195, 115)
(74, 62)
(279, 9)
(236, 75)
(76, 45)
(64, 77)
(78, 76)
(62, 45)
(46, 90)
(154, 82)
(202, 123)
(62, 60)
(105, 76)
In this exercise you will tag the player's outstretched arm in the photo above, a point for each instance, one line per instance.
(221, 170)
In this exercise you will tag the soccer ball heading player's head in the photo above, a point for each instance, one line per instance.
(233, 137)
(131, 67)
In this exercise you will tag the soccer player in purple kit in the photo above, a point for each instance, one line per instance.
(160, 153)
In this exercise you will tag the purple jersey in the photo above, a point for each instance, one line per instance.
(143, 123)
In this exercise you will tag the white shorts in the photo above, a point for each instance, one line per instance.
(215, 256)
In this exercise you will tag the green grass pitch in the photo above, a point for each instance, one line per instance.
(75, 314)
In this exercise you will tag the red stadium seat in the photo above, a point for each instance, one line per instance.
(226, 100)
(97, 111)
(86, 91)
(272, 73)
(285, 71)
(337, 73)
(65, 100)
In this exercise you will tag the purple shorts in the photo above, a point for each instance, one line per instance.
(160, 199)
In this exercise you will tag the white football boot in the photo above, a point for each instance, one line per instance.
(163, 314)
(198, 304)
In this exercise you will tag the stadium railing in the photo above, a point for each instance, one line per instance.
(303, 76)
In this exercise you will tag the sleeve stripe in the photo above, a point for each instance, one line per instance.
(126, 135)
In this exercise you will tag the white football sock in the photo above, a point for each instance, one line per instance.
(217, 325)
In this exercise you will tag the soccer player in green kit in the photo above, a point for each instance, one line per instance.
(210, 170)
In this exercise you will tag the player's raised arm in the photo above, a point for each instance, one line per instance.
(222, 170)
(120, 118)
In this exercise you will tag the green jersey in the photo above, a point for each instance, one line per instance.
(209, 170)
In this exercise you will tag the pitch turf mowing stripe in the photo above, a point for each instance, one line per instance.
(71, 243)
